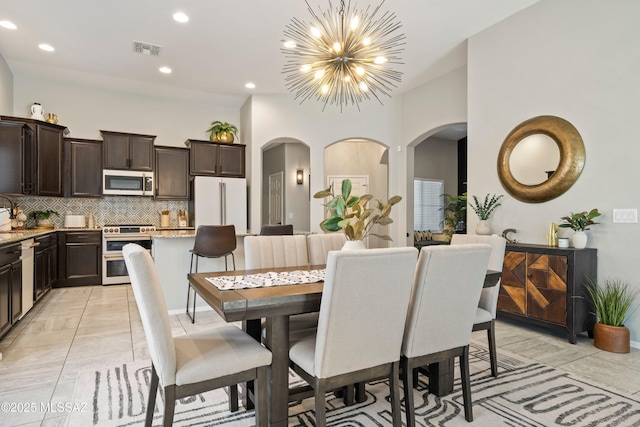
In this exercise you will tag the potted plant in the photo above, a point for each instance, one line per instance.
(612, 303)
(579, 222)
(484, 211)
(351, 214)
(43, 218)
(455, 213)
(222, 131)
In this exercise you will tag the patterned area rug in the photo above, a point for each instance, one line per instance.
(525, 394)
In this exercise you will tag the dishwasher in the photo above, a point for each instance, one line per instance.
(27, 257)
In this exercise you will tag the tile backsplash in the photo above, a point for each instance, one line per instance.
(106, 210)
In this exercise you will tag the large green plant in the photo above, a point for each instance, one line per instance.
(580, 221)
(612, 301)
(486, 208)
(455, 210)
(351, 214)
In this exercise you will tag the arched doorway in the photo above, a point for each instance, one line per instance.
(361, 158)
(282, 160)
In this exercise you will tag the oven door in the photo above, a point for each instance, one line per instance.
(114, 269)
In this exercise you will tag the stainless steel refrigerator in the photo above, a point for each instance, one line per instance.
(219, 201)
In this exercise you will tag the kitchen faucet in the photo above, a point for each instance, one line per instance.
(11, 214)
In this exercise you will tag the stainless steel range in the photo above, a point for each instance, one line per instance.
(114, 237)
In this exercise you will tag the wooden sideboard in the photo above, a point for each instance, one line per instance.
(545, 286)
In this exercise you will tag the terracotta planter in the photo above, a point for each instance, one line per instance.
(615, 339)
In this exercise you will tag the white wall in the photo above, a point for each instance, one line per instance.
(275, 117)
(437, 158)
(577, 59)
(297, 195)
(85, 110)
(6, 88)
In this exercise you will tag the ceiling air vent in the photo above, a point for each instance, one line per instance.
(146, 48)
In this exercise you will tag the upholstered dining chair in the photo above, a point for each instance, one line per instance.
(275, 251)
(276, 230)
(362, 315)
(486, 313)
(212, 241)
(189, 364)
(447, 285)
(319, 246)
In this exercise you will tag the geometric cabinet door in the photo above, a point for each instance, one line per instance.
(535, 285)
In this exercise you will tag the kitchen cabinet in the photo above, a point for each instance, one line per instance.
(216, 159)
(46, 264)
(82, 167)
(35, 151)
(10, 286)
(545, 286)
(79, 258)
(172, 173)
(127, 151)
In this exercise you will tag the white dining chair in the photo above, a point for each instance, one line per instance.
(486, 314)
(447, 285)
(319, 246)
(362, 315)
(275, 251)
(196, 362)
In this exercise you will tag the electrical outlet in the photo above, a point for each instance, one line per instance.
(625, 216)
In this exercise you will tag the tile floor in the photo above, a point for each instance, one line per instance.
(71, 329)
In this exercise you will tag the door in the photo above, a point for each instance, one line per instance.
(276, 198)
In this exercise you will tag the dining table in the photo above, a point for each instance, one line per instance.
(275, 304)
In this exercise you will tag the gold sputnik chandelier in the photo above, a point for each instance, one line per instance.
(343, 56)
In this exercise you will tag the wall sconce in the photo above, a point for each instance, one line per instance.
(299, 176)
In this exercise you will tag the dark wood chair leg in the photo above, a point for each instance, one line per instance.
(233, 398)
(348, 395)
(153, 391)
(321, 416)
(261, 401)
(466, 384)
(169, 405)
(493, 356)
(407, 379)
(361, 392)
(394, 389)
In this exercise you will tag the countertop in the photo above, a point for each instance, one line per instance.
(14, 236)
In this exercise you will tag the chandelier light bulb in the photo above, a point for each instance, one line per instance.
(343, 56)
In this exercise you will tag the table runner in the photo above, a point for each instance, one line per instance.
(271, 278)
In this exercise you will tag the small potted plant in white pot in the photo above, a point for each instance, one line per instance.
(579, 222)
(484, 211)
(613, 301)
(43, 218)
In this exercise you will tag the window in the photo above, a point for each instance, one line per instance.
(428, 203)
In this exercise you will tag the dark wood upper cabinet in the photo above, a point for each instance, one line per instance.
(214, 159)
(172, 173)
(82, 167)
(34, 150)
(127, 151)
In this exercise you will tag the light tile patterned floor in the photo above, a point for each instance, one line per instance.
(74, 328)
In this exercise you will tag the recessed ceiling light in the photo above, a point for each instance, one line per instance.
(8, 25)
(165, 70)
(46, 47)
(180, 17)
(250, 85)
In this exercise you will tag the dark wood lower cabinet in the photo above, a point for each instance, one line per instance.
(545, 286)
(46, 264)
(80, 256)
(10, 286)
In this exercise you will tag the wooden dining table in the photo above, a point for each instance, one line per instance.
(275, 304)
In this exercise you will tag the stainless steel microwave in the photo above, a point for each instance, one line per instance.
(127, 183)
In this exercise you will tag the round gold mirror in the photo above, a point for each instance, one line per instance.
(553, 182)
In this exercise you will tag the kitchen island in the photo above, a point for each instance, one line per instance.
(172, 257)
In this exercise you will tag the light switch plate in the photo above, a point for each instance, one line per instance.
(625, 216)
